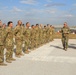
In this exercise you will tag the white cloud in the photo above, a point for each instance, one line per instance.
(68, 15)
(15, 9)
(54, 4)
(28, 1)
(51, 11)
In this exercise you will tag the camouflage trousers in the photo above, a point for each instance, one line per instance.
(9, 52)
(1, 54)
(44, 38)
(41, 40)
(32, 43)
(65, 42)
(37, 42)
(51, 37)
(27, 44)
(47, 38)
(19, 47)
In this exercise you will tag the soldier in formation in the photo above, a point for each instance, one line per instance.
(2, 43)
(32, 38)
(9, 44)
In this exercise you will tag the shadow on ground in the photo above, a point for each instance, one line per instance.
(72, 46)
(56, 46)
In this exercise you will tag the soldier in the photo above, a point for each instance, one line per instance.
(9, 43)
(37, 35)
(65, 36)
(18, 32)
(33, 35)
(41, 34)
(26, 34)
(2, 41)
(44, 34)
(48, 33)
(4, 26)
(51, 33)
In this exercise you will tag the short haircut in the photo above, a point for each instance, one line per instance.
(9, 22)
(32, 25)
(27, 23)
(37, 24)
(47, 24)
(44, 26)
(18, 21)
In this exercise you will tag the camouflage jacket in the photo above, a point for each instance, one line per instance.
(9, 36)
(65, 31)
(18, 32)
(26, 33)
(2, 36)
(33, 34)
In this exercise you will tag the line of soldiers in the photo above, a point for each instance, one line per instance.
(31, 37)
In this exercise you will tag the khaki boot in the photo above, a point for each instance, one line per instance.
(8, 61)
(65, 49)
(12, 59)
(22, 54)
(18, 56)
(26, 52)
(3, 64)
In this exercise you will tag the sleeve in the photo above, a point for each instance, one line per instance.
(15, 31)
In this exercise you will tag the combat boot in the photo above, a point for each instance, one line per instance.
(3, 64)
(18, 56)
(12, 59)
(26, 52)
(65, 49)
(21, 54)
(8, 61)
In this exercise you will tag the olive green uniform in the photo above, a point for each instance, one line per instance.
(65, 36)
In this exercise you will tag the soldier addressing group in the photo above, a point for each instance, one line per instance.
(65, 36)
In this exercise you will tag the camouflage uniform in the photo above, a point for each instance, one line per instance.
(33, 41)
(65, 36)
(44, 35)
(53, 32)
(37, 37)
(41, 36)
(9, 44)
(2, 41)
(18, 39)
(50, 34)
(26, 34)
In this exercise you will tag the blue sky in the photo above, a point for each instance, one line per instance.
(54, 12)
